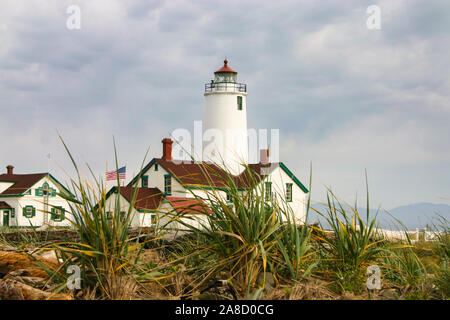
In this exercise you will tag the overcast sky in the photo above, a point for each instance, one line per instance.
(344, 97)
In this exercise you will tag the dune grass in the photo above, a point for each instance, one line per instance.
(241, 240)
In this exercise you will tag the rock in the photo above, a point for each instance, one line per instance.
(11, 261)
(42, 228)
(14, 290)
(49, 254)
(269, 283)
(389, 294)
(218, 290)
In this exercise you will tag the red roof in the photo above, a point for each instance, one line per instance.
(188, 205)
(22, 182)
(207, 174)
(195, 174)
(225, 68)
(4, 205)
(146, 198)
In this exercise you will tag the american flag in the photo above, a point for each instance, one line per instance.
(112, 175)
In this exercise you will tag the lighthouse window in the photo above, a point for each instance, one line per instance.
(239, 102)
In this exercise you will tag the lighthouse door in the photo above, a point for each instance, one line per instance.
(6, 218)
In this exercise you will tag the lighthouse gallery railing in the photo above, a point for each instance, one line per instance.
(225, 86)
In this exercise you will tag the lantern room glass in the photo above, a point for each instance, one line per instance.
(225, 77)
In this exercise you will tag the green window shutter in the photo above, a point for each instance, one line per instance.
(29, 211)
(13, 213)
(58, 214)
(52, 215)
(144, 181)
(289, 192)
(268, 190)
(38, 192)
(168, 184)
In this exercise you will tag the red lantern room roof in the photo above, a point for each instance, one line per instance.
(225, 68)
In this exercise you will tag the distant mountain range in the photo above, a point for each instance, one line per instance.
(417, 215)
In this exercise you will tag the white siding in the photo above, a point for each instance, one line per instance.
(279, 178)
(136, 219)
(156, 180)
(38, 202)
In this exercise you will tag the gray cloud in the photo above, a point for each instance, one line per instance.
(345, 98)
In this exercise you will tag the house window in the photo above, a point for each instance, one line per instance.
(58, 214)
(123, 216)
(144, 181)
(229, 199)
(45, 189)
(156, 166)
(288, 192)
(153, 219)
(239, 103)
(29, 211)
(108, 215)
(268, 190)
(167, 184)
(13, 213)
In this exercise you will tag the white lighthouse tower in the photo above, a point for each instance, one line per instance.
(225, 127)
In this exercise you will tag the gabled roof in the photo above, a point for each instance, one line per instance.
(4, 205)
(22, 182)
(146, 198)
(188, 205)
(194, 174)
(205, 174)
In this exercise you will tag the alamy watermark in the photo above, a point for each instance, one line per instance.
(374, 279)
(212, 143)
(373, 22)
(74, 280)
(73, 21)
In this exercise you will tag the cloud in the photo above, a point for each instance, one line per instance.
(344, 97)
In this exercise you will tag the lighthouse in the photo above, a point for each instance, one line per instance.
(225, 139)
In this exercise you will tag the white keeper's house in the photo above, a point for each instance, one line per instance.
(168, 185)
(31, 200)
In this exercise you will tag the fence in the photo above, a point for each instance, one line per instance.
(413, 235)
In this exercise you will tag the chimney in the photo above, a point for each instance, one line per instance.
(167, 149)
(264, 156)
(9, 169)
